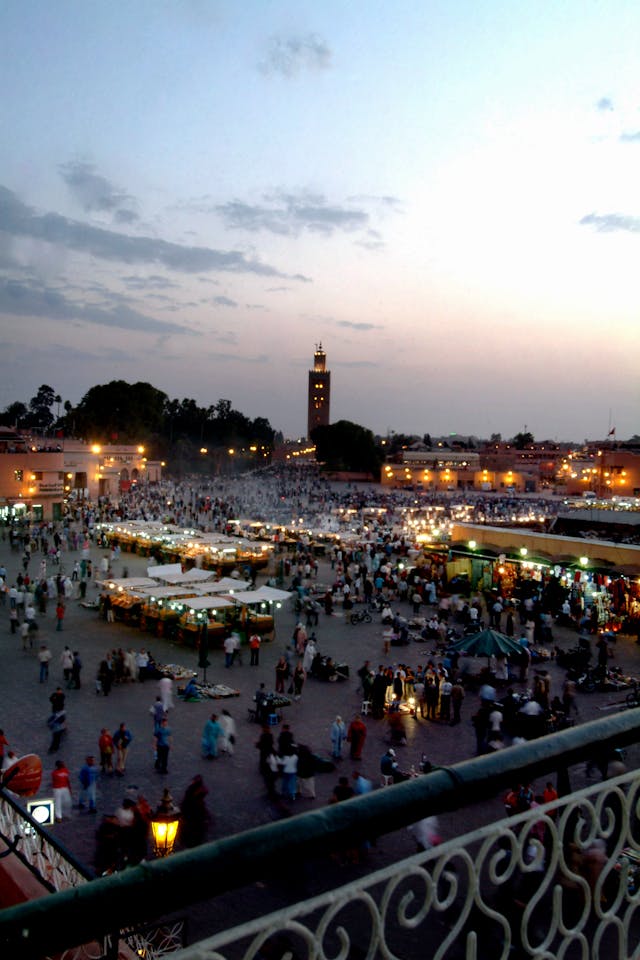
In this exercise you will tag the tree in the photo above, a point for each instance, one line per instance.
(13, 415)
(40, 416)
(522, 440)
(347, 446)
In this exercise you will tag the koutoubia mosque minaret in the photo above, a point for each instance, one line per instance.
(319, 391)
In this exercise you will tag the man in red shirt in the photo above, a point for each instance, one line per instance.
(61, 785)
(254, 646)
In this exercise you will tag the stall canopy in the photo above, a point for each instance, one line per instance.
(487, 643)
(272, 593)
(227, 585)
(195, 575)
(206, 603)
(162, 570)
(128, 583)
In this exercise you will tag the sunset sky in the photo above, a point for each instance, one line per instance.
(445, 193)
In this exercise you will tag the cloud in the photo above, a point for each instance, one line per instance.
(373, 241)
(361, 325)
(611, 222)
(95, 193)
(290, 215)
(240, 357)
(224, 302)
(630, 137)
(17, 219)
(21, 300)
(152, 282)
(604, 104)
(289, 56)
(354, 363)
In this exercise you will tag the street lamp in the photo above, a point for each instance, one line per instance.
(164, 825)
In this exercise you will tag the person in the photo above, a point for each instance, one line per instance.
(389, 767)
(163, 745)
(66, 661)
(268, 769)
(61, 787)
(282, 674)
(121, 740)
(289, 782)
(194, 815)
(361, 784)
(59, 615)
(57, 723)
(338, 734)
(228, 738)
(230, 646)
(306, 773)
(75, 670)
(4, 744)
(106, 748)
(88, 777)
(157, 711)
(210, 735)
(104, 678)
(342, 791)
(165, 686)
(425, 832)
(457, 696)
(356, 736)
(254, 647)
(299, 676)
(44, 656)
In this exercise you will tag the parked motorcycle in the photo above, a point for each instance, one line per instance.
(360, 616)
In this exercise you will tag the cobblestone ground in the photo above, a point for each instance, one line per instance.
(236, 796)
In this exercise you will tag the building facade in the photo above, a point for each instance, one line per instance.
(319, 398)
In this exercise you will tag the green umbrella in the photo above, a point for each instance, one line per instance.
(487, 643)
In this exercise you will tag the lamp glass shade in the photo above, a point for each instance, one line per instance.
(164, 825)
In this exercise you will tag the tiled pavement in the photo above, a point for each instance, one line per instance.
(236, 797)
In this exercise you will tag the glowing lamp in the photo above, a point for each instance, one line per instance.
(42, 811)
(164, 825)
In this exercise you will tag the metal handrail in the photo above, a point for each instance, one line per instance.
(161, 887)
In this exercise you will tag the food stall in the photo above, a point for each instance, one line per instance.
(158, 614)
(219, 613)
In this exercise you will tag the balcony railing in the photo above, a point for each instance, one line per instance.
(560, 880)
(555, 882)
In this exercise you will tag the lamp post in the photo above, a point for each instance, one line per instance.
(164, 825)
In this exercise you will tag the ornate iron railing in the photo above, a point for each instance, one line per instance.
(510, 886)
(48, 860)
(57, 869)
(560, 880)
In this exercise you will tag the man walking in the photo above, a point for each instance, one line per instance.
(254, 646)
(44, 656)
(121, 740)
(88, 778)
(163, 744)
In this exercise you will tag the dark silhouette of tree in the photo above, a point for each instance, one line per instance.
(14, 415)
(347, 446)
(40, 415)
(522, 440)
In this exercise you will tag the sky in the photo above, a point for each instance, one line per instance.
(444, 193)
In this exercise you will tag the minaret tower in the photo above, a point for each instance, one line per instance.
(319, 391)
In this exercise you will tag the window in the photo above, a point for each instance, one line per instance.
(18, 475)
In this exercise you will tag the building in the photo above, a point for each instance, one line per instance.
(38, 475)
(106, 470)
(319, 400)
(31, 477)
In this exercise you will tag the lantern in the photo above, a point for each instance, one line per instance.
(164, 825)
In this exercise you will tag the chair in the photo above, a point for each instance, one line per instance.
(365, 709)
(386, 781)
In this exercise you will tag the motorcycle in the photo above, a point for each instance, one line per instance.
(361, 616)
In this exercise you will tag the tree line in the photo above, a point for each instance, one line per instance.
(120, 412)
